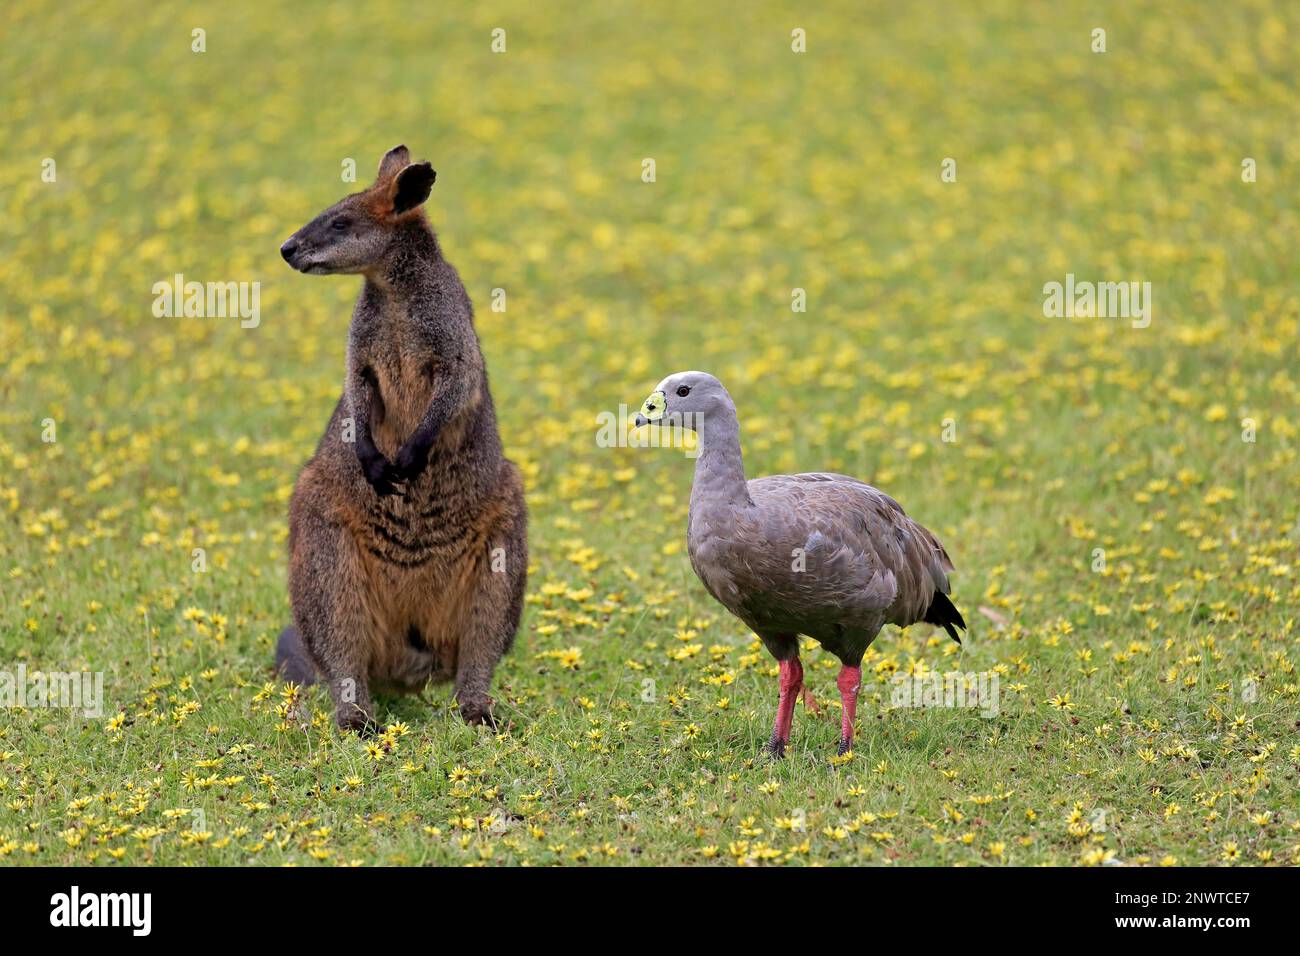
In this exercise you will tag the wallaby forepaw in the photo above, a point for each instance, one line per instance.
(411, 462)
(383, 476)
(384, 489)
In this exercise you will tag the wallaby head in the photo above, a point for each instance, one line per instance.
(357, 233)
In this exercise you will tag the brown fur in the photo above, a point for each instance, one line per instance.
(408, 545)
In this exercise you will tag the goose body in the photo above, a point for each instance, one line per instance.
(820, 554)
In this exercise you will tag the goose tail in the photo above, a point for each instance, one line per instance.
(943, 613)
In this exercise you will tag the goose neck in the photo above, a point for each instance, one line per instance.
(720, 468)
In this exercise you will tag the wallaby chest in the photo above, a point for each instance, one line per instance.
(406, 367)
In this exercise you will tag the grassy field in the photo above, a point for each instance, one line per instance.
(1120, 502)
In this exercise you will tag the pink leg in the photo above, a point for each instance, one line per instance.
(849, 681)
(791, 682)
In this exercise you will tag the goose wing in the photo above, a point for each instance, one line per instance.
(862, 557)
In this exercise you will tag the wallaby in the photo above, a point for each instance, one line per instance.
(407, 529)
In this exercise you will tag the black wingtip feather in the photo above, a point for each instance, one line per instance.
(943, 613)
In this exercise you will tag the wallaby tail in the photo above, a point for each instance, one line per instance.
(943, 613)
(291, 661)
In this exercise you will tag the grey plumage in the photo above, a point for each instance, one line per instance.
(820, 554)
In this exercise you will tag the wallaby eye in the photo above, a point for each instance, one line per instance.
(338, 225)
(684, 390)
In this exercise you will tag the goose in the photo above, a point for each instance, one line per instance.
(819, 554)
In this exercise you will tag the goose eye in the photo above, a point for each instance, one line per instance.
(338, 225)
(684, 390)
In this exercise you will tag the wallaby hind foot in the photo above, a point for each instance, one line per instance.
(327, 589)
(493, 619)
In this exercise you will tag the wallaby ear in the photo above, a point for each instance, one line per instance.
(411, 187)
(394, 161)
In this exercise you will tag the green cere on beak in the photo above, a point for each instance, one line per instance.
(654, 406)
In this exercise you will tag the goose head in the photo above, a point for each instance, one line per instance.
(684, 400)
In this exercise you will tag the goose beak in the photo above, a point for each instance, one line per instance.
(652, 409)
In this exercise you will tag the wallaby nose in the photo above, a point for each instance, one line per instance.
(289, 248)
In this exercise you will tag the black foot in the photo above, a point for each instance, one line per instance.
(846, 744)
(774, 749)
(364, 727)
(479, 715)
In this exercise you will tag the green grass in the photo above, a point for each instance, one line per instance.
(1123, 734)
